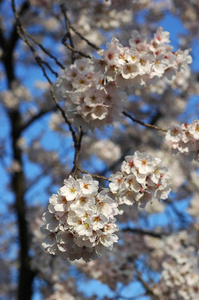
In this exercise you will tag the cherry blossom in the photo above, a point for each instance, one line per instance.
(92, 87)
(86, 225)
(141, 178)
(185, 139)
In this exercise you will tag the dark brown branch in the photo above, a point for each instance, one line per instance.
(142, 123)
(84, 39)
(77, 141)
(149, 291)
(36, 117)
(77, 153)
(93, 175)
(9, 45)
(45, 51)
(2, 40)
(26, 275)
(67, 35)
(145, 232)
(49, 67)
(76, 51)
(14, 35)
(23, 35)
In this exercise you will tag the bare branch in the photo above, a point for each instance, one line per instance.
(45, 51)
(76, 51)
(149, 291)
(93, 175)
(142, 123)
(21, 31)
(36, 117)
(77, 153)
(145, 232)
(67, 35)
(84, 39)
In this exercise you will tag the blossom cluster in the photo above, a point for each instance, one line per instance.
(144, 62)
(92, 87)
(141, 178)
(80, 221)
(180, 274)
(89, 101)
(185, 139)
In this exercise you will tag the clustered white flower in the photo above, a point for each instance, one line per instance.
(80, 221)
(180, 275)
(185, 139)
(144, 62)
(89, 101)
(92, 87)
(141, 178)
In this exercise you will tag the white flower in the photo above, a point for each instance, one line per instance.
(94, 97)
(70, 189)
(161, 36)
(141, 178)
(78, 218)
(194, 129)
(52, 222)
(129, 71)
(185, 139)
(88, 185)
(106, 205)
(144, 163)
(128, 164)
(85, 87)
(117, 182)
(174, 133)
(160, 65)
(133, 185)
(99, 112)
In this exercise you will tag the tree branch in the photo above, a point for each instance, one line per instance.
(145, 232)
(93, 175)
(67, 35)
(84, 39)
(21, 31)
(36, 117)
(77, 153)
(45, 50)
(75, 51)
(142, 123)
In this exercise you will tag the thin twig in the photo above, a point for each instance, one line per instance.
(84, 39)
(49, 67)
(149, 291)
(36, 117)
(77, 153)
(145, 232)
(21, 31)
(142, 123)
(93, 175)
(67, 35)
(77, 51)
(45, 51)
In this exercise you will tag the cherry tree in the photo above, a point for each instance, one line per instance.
(99, 149)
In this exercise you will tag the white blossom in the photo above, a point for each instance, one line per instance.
(141, 178)
(86, 224)
(185, 139)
